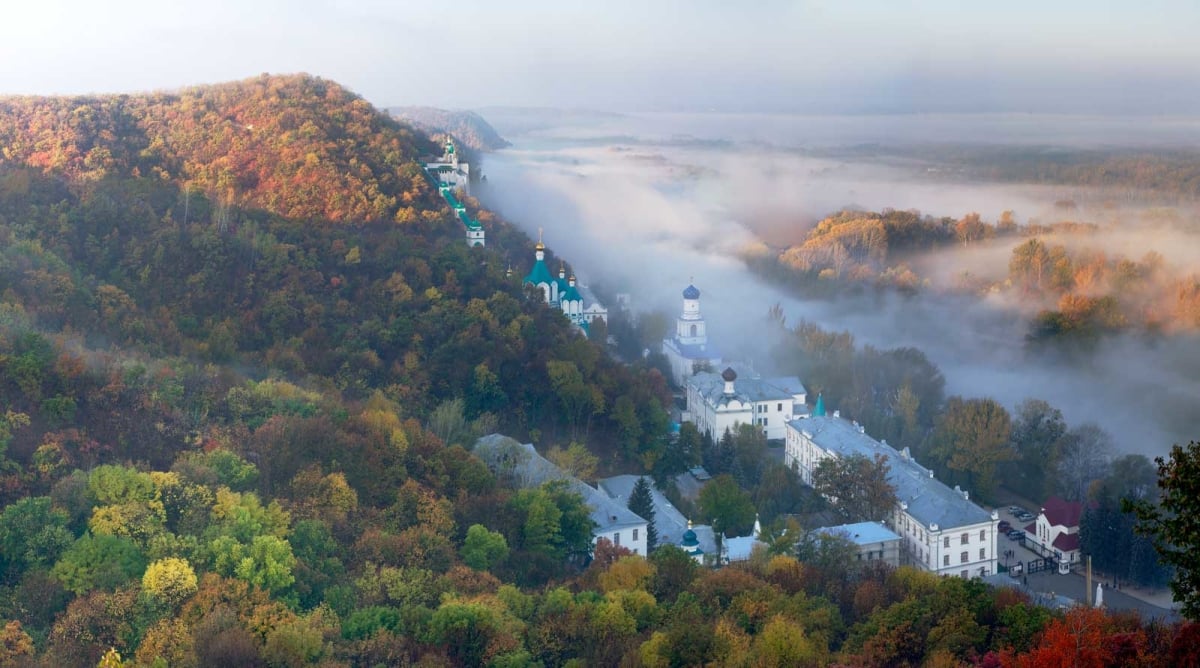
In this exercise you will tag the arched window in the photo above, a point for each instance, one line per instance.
(693, 330)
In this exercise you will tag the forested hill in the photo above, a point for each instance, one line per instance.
(296, 145)
(467, 127)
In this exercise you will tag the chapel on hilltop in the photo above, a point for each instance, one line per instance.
(564, 292)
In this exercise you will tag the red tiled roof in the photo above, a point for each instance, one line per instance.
(1062, 513)
(1031, 528)
(1066, 542)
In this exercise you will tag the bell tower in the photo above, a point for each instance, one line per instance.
(689, 328)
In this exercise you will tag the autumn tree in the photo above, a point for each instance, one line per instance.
(857, 487)
(1174, 524)
(170, 580)
(971, 440)
(576, 461)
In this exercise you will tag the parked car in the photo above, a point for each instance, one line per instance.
(1004, 526)
(1016, 534)
(1024, 516)
(1015, 509)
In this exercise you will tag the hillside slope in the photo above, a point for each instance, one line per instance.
(295, 145)
(467, 127)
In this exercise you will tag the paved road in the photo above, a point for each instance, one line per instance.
(1072, 585)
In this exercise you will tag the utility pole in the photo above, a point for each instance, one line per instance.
(1088, 588)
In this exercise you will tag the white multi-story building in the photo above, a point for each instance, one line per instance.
(941, 530)
(717, 402)
(689, 351)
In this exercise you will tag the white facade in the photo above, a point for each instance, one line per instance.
(449, 170)
(941, 530)
(1056, 531)
(564, 293)
(452, 175)
(689, 351)
(715, 404)
(632, 538)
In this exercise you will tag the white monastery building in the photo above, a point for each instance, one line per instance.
(689, 351)
(452, 176)
(941, 530)
(717, 402)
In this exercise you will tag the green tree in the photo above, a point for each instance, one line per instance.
(32, 534)
(857, 487)
(98, 562)
(267, 561)
(727, 505)
(971, 439)
(1174, 524)
(465, 629)
(641, 502)
(482, 547)
(1037, 437)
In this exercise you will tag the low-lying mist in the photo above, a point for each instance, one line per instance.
(648, 216)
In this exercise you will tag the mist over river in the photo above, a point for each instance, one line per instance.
(646, 203)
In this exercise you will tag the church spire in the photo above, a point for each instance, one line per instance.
(819, 409)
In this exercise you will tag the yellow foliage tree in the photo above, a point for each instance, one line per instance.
(171, 580)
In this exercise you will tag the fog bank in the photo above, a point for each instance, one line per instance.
(647, 214)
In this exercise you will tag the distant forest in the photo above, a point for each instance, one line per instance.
(1171, 174)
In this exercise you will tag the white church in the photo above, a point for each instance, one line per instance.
(689, 350)
(563, 292)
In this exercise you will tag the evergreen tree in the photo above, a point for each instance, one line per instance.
(642, 503)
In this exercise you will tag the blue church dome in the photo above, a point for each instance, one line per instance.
(690, 292)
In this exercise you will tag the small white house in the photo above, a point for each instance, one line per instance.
(1055, 532)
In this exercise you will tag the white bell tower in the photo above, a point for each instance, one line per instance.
(689, 328)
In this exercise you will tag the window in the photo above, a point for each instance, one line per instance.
(946, 542)
(617, 538)
(779, 408)
(946, 560)
(983, 535)
(635, 535)
(962, 559)
(765, 420)
(982, 552)
(966, 538)
(964, 575)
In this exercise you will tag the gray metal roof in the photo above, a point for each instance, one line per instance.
(862, 533)
(929, 500)
(668, 521)
(531, 470)
(749, 387)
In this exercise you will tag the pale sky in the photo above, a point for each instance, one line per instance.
(1098, 56)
